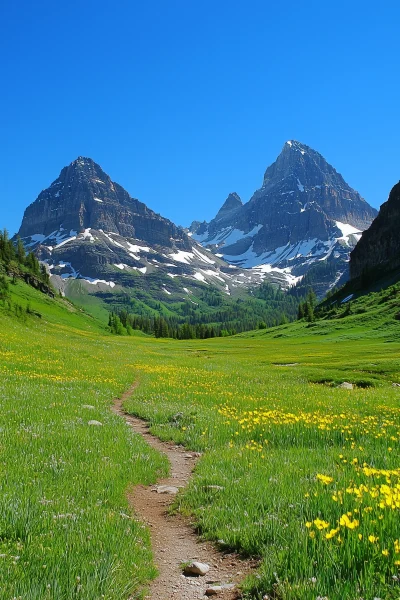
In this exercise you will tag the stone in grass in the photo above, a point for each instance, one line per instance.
(88, 406)
(93, 422)
(346, 385)
(213, 590)
(166, 489)
(196, 568)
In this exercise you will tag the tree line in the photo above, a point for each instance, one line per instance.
(213, 316)
(16, 262)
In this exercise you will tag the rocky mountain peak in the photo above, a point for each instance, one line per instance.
(304, 212)
(83, 196)
(232, 202)
(83, 161)
(302, 176)
(295, 146)
(300, 162)
(86, 171)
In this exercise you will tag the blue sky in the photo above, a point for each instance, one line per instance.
(182, 102)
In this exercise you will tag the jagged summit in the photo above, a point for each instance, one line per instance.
(301, 167)
(232, 202)
(295, 145)
(83, 160)
(82, 166)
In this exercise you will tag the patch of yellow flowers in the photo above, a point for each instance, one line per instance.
(385, 496)
(384, 425)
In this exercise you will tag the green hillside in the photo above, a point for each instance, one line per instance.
(308, 472)
(203, 308)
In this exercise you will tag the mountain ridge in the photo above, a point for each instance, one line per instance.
(85, 226)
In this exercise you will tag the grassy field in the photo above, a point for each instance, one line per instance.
(307, 473)
(65, 527)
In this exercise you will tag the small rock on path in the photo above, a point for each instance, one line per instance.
(196, 568)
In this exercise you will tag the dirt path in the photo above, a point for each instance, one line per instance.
(173, 540)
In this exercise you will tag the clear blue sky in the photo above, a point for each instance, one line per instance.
(182, 102)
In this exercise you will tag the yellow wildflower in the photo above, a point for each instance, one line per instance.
(373, 539)
(324, 479)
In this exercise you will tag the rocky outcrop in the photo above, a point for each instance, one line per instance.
(379, 247)
(231, 204)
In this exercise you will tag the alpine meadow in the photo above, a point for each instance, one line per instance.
(199, 300)
(294, 470)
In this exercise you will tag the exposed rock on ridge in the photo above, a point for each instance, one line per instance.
(232, 203)
(379, 246)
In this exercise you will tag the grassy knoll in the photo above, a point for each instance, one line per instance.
(308, 473)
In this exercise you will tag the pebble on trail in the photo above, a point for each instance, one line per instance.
(196, 568)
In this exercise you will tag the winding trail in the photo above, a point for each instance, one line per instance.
(173, 539)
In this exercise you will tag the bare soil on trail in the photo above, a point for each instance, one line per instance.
(173, 539)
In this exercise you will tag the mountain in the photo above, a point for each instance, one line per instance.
(84, 197)
(304, 213)
(86, 227)
(378, 251)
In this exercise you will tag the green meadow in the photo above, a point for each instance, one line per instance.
(305, 474)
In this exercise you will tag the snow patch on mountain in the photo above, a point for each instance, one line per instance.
(96, 281)
(182, 256)
(347, 230)
(35, 239)
(87, 235)
(203, 257)
(137, 249)
(70, 239)
(227, 236)
(200, 277)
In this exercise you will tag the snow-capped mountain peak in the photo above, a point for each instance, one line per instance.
(304, 212)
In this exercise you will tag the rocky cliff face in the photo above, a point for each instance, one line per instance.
(379, 247)
(303, 212)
